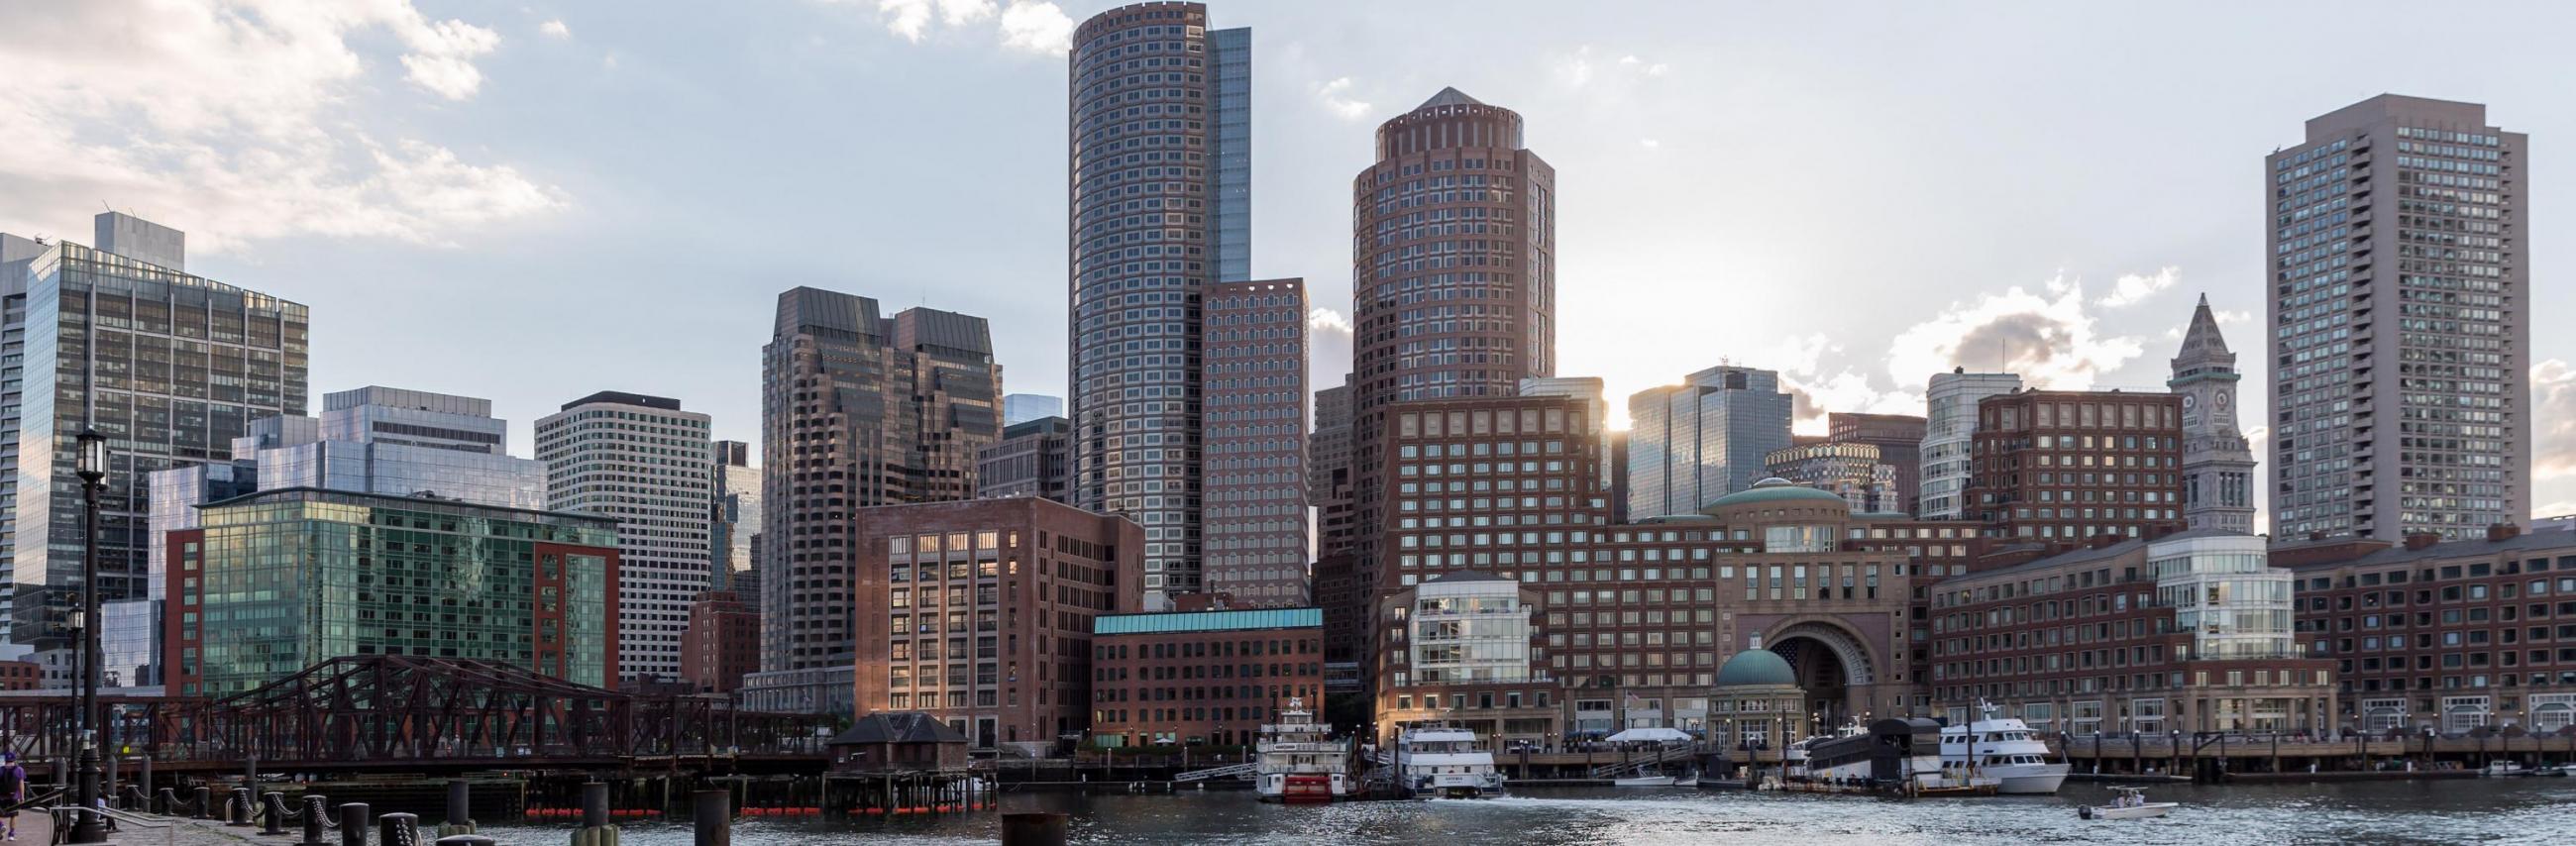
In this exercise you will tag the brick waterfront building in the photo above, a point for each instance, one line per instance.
(1201, 676)
(980, 612)
(2058, 467)
(2191, 632)
(2444, 635)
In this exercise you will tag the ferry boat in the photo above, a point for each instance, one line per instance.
(1300, 762)
(1434, 758)
(2004, 750)
(1895, 755)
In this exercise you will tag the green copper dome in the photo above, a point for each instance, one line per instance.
(1774, 489)
(1756, 666)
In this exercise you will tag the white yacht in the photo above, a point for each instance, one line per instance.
(1434, 758)
(2004, 750)
(1300, 761)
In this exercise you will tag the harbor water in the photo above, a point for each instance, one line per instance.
(2494, 811)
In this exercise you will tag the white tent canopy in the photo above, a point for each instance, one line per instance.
(1649, 735)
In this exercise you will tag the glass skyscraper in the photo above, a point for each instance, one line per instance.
(1710, 436)
(170, 367)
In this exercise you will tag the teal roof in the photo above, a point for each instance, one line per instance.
(1208, 621)
(1756, 666)
(1774, 489)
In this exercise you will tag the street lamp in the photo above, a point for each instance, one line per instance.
(89, 826)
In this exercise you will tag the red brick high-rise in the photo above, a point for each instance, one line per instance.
(1453, 277)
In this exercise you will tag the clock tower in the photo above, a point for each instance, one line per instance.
(2217, 463)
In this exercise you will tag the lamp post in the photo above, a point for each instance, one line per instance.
(92, 466)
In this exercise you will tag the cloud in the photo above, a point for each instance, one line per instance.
(2050, 340)
(1336, 99)
(2133, 287)
(233, 120)
(1642, 66)
(1035, 27)
(1816, 390)
(2553, 415)
(1327, 320)
(554, 29)
(1649, 143)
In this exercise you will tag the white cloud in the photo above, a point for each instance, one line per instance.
(2553, 416)
(2051, 342)
(1037, 28)
(1575, 69)
(1336, 99)
(1323, 319)
(2225, 317)
(1033, 26)
(554, 29)
(1580, 68)
(232, 120)
(2133, 287)
(1649, 143)
(1642, 66)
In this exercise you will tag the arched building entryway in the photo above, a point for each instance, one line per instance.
(1836, 670)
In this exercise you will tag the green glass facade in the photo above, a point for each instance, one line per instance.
(277, 581)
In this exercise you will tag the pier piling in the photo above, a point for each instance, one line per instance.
(460, 811)
(712, 811)
(1033, 829)
(354, 824)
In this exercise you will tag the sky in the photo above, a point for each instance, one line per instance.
(532, 202)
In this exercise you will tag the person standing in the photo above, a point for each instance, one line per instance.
(13, 786)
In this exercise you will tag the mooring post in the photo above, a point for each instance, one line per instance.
(460, 813)
(1034, 829)
(398, 830)
(595, 830)
(166, 802)
(205, 807)
(273, 806)
(713, 812)
(317, 819)
(354, 824)
(237, 810)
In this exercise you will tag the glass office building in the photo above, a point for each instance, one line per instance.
(279, 580)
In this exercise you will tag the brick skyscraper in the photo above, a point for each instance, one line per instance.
(1453, 276)
(1159, 209)
(2400, 323)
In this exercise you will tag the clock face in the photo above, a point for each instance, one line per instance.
(2222, 400)
(2187, 402)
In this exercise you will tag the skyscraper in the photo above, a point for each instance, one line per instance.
(2217, 466)
(1949, 438)
(856, 410)
(650, 465)
(1329, 473)
(736, 516)
(1022, 408)
(1029, 460)
(1453, 281)
(1710, 436)
(1899, 438)
(1255, 442)
(2401, 395)
(1159, 209)
(170, 367)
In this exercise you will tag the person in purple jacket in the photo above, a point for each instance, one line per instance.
(13, 786)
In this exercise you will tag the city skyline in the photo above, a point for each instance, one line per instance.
(1326, 85)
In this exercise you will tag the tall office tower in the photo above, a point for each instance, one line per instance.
(1453, 280)
(1899, 439)
(1254, 442)
(1022, 408)
(1949, 438)
(2382, 430)
(2217, 465)
(1160, 198)
(856, 411)
(1691, 443)
(2059, 468)
(1033, 458)
(1329, 473)
(374, 440)
(649, 464)
(736, 516)
(170, 367)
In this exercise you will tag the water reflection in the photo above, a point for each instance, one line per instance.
(2394, 812)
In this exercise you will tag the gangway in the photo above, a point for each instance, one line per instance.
(1241, 771)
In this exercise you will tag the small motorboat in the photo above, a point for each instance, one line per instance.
(1643, 780)
(2506, 769)
(2130, 804)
